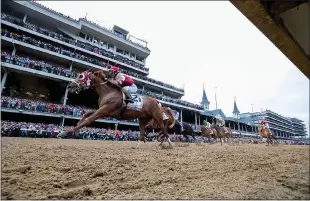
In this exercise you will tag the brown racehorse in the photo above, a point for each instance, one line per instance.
(174, 126)
(111, 104)
(264, 133)
(168, 123)
(219, 130)
(209, 133)
(227, 134)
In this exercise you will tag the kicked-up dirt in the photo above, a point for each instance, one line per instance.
(79, 169)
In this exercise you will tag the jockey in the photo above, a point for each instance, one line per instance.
(265, 124)
(124, 81)
(221, 122)
(206, 124)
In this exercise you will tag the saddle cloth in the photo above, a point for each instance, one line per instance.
(136, 105)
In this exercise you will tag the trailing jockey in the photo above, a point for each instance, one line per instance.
(206, 124)
(176, 117)
(124, 81)
(265, 125)
(221, 123)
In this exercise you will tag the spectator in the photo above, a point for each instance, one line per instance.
(61, 50)
(49, 68)
(45, 107)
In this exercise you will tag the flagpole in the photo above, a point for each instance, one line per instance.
(215, 97)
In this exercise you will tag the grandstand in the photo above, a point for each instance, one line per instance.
(42, 50)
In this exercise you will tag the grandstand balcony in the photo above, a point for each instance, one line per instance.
(42, 108)
(72, 41)
(36, 10)
(18, 111)
(85, 64)
(21, 66)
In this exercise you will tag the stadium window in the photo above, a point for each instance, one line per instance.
(103, 44)
(119, 51)
(82, 35)
(110, 46)
(96, 40)
(139, 58)
(89, 38)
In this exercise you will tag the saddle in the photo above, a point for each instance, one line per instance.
(137, 105)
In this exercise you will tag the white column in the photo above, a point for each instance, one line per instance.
(65, 97)
(25, 18)
(71, 65)
(63, 121)
(3, 81)
(181, 116)
(14, 51)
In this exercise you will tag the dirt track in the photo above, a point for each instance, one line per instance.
(78, 169)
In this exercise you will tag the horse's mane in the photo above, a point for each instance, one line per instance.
(100, 74)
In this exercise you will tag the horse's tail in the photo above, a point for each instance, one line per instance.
(170, 114)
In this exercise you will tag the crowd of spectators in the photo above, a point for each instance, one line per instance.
(39, 130)
(74, 54)
(51, 68)
(93, 23)
(46, 107)
(95, 49)
(37, 65)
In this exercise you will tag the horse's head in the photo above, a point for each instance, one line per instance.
(85, 80)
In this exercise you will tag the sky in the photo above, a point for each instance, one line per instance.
(208, 42)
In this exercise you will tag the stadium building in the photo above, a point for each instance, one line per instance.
(285, 127)
(42, 50)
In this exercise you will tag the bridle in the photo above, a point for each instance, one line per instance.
(84, 82)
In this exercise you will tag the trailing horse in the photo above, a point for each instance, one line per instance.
(169, 122)
(209, 133)
(111, 104)
(173, 126)
(264, 133)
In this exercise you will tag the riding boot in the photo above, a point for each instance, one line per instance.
(128, 97)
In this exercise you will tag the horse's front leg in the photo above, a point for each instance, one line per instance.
(87, 114)
(96, 115)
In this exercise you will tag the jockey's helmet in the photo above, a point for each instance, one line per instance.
(114, 69)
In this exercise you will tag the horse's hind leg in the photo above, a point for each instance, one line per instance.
(161, 124)
(142, 123)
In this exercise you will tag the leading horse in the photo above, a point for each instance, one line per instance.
(111, 104)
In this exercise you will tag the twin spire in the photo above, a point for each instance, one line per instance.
(205, 103)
